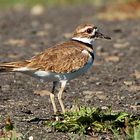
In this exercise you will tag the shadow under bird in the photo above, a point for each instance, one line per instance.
(62, 62)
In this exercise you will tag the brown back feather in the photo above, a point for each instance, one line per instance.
(62, 58)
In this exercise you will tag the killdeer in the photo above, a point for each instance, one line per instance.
(62, 62)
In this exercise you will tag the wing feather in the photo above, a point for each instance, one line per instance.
(60, 59)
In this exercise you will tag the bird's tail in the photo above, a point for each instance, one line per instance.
(12, 66)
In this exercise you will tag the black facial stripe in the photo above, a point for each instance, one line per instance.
(94, 27)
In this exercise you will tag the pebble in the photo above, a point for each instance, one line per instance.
(5, 87)
(15, 42)
(37, 10)
(122, 97)
(112, 58)
(98, 83)
(128, 83)
(104, 107)
(31, 138)
(100, 95)
(67, 35)
(42, 92)
(134, 88)
(121, 45)
(88, 94)
(47, 26)
(136, 74)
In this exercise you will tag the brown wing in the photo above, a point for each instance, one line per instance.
(60, 59)
(12, 65)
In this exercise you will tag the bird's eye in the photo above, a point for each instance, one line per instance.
(89, 30)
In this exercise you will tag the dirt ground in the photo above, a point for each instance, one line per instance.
(113, 81)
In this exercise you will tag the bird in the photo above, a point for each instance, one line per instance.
(61, 62)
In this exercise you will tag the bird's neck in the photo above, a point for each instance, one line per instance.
(86, 41)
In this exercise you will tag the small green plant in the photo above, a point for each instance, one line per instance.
(136, 133)
(8, 132)
(87, 120)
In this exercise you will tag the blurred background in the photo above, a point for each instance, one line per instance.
(122, 9)
(28, 27)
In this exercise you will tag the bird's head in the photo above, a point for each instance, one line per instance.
(88, 33)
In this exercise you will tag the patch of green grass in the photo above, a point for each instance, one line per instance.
(8, 3)
(136, 133)
(87, 120)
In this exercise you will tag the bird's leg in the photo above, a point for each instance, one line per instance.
(52, 97)
(63, 84)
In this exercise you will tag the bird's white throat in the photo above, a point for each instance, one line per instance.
(84, 40)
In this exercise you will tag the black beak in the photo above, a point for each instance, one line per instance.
(100, 35)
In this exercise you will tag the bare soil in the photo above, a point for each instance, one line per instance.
(113, 81)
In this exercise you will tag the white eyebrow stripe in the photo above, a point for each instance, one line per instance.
(84, 29)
